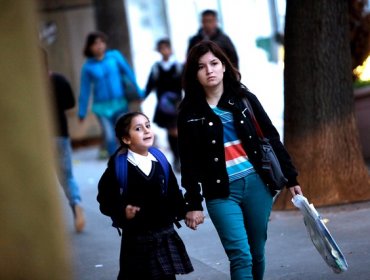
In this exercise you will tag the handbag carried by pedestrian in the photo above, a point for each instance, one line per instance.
(270, 163)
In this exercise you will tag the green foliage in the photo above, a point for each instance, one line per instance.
(359, 83)
(359, 20)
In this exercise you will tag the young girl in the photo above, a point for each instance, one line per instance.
(139, 191)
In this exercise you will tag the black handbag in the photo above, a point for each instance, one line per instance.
(271, 168)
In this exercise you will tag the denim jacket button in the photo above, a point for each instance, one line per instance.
(216, 159)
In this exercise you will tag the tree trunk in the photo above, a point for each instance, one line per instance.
(111, 18)
(320, 126)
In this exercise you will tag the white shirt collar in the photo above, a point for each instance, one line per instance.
(166, 65)
(143, 162)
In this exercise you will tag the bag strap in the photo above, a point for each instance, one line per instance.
(121, 171)
(121, 168)
(251, 113)
(164, 164)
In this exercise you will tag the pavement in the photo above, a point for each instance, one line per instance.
(290, 254)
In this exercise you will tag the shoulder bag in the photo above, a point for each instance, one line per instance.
(271, 168)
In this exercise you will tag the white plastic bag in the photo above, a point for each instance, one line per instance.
(320, 235)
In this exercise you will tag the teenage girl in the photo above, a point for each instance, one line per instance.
(221, 158)
(139, 191)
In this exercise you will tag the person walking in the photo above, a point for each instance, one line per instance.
(211, 31)
(165, 79)
(64, 99)
(103, 72)
(139, 191)
(221, 160)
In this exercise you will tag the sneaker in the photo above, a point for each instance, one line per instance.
(79, 218)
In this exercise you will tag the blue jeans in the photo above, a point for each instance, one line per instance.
(241, 222)
(108, 126)
(65, 173)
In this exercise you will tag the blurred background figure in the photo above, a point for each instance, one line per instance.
(64, 100)
(104, 72)
(165, 79)
(211, 31)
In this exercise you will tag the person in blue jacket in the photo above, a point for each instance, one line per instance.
(102, 74)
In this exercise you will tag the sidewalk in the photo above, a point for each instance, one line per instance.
(290, 254)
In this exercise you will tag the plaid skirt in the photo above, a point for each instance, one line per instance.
(153, 255)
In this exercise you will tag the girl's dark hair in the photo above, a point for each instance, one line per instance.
(193, 89)
(123, 125)
(164, 41)
(90, 40)
(209, 13)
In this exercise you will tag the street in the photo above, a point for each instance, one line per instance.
(290, 254)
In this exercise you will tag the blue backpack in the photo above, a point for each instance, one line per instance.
(121, 173)
(121, 168)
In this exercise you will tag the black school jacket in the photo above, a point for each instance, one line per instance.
(201, 146)
(113, 204)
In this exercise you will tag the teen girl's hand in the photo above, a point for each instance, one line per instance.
(295, 190)
(131, 211)
(194, 218)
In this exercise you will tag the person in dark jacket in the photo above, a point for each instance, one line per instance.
(211, 31)
(64, 99)
(144, 202)
(165, 79)
(221, 159)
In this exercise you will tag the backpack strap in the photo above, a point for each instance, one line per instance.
(121, 171)
(164, 164)
(179, 68)
(121, 168)
(155, 71)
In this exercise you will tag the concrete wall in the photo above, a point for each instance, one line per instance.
(73, 21)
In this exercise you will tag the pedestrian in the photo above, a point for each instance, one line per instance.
(221, 160)
(139, 191)
(103, 73)
(165, 79)
(210, 31)
(64, 100)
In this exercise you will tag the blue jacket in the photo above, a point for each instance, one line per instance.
(106, 78)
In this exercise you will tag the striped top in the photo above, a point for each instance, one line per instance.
(237, 163)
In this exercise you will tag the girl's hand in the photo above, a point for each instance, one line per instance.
(295, 190)
(131, 211)
(194, 218)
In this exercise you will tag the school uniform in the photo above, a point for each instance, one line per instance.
(150, 247)
(165, 79)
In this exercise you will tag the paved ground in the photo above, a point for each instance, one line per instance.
(290, 252)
